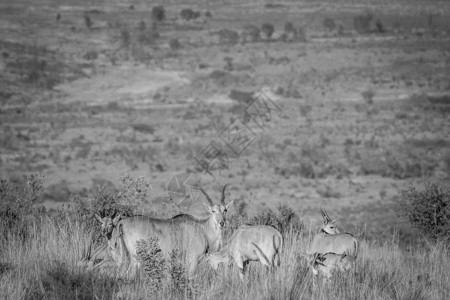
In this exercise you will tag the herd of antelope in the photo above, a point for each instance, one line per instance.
(202, 239)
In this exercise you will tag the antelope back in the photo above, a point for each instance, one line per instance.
(334, 243)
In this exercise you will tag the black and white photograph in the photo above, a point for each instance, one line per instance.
(224, 149)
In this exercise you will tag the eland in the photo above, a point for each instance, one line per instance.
(112, 249)
(250, 243)
(192, 236)
(329, 240)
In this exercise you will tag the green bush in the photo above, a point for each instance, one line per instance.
(428, 210)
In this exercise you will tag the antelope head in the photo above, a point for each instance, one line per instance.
(218, 211)
(108, 223)
(328, 224)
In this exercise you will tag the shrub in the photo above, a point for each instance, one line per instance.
(189, 14)
(142, 26)
(368, 96)
(62, 282)
(148, 36)
(87, 21)
(175, 44)
(329, 24)
(227, 36)
(160, 272)
(428, 210)
(380, 26)
(286, 219)
(252, 32)
(153, 263)
(125, 37)
(179, 280)
(17, 204)
(268, 29)
(288, 27)
(208, 14)
(361, 23)
(158, 13)
(132, 194)
(301, 34)
(91, 55)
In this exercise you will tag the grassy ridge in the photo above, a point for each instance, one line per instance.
(44, 266)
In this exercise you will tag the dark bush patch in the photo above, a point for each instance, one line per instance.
(428, 210)
(251, 33)
(189, 14)
(329, 24)
(227, 36)
(17, 205)
(174, 44)
(285, 220)
(268, 29)
(5, 267)
(158, 13)
(60, 282)
(361, 23)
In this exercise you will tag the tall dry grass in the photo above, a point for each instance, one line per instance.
(44, 266)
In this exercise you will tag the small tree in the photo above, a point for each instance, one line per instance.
(428, 210)
(87, 21)
(329, 24)
(252, 32)
(158, 13)
(189, 14)
(268, 29)
(362, 22)
(174, 44)
(16, 204)
(227, 36)
(288, 27)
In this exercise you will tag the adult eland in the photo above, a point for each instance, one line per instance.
(193, 237)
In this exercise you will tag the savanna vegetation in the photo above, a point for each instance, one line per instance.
(90, 90)
(41, 250)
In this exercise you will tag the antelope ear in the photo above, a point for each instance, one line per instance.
(98, 218)
(117, 219)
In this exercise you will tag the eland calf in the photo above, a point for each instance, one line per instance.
(111, 250)
(194, 237)
(250, 243)
(326, 264)
(329, 240)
